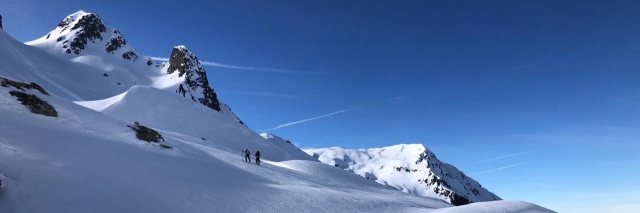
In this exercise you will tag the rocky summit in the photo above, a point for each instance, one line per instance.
(186, 64)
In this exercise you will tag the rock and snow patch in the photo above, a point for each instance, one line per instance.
(31, 101)
(411, 168)
(81, 32)
(196, 84)
(83, 38)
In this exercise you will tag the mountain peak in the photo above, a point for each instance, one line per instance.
(184, 63)
(81, 31)
(88, 27)
(411, 168)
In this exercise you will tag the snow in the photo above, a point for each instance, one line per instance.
(502, 206)
(100, 105)
(88, 160)
(98, 165)
(411, 168)
(286, 145)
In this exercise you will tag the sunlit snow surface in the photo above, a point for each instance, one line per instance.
(88, 160)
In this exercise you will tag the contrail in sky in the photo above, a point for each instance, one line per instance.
(524, 66)
(322, 116)
(396, 98)
(496, 158)
(305, 120)
(260, 69)
(501, 168)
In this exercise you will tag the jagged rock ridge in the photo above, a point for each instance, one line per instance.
(186, 64)
(89, 28)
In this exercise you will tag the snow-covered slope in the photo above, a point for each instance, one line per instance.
(84, 161)
(286, 145)
(502, 206)
(411, 168)
(80, 155)
(83, 44)
(163, 110)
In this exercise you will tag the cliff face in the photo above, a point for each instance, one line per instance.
(196, 84)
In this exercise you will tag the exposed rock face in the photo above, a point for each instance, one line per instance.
(116, 42)
(35, 104)
(196, 84)
(32, 102)
(130, 55)
(146, 134)
(439, 176)
(21, 86)
(89, 29)
(81, 31)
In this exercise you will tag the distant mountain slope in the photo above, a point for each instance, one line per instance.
(411, 168)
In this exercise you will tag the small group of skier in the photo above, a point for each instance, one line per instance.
(247, 153)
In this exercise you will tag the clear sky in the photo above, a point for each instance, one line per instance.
(537, 100)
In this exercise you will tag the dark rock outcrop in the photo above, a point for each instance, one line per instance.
(439, 173)
(90, 29)
(116, 42)
(145, 133)
(21, 85)
(35, 104)
(1, 22)
(32, 102)
(196, 84)
(130, 55)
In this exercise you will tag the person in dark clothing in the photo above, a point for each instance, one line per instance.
(246, 156)
(258, 157)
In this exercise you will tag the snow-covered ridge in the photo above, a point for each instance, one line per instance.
(411, 168)
(286, 145)
(81, 31)
(84, 38)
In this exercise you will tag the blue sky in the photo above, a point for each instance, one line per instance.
(537, 100)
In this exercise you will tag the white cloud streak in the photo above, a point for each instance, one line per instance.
(305, 120)
(496, 158)
(497, 169)
(396, 98)
(524, 66)
(237, 67)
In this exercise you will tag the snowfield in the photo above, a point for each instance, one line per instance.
(88, 160)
